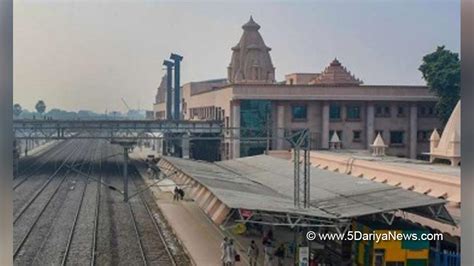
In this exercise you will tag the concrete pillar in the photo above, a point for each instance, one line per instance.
(236, 129)
(280, 127)
(413, 130)
(125, 174)
(185, 146)
(369, 124)
(169, 89)
(177, 86)
(325, 126)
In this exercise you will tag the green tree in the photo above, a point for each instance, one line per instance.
(442, 73)
(40, 107)
(17, 109)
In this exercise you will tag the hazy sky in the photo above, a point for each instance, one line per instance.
(88, 54)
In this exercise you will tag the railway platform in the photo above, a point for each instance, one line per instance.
(199, 236)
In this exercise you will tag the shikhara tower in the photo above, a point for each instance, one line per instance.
(251, 61)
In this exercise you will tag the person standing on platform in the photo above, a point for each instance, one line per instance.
(176, 194)
(181, 193)
(224, 245)
(268, 252)
(229, 256)
(280, 254)
(252, 253)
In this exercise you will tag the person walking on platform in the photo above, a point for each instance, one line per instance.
(176, 194)
(252, 253)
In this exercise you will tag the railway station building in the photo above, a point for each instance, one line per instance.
(330, 102)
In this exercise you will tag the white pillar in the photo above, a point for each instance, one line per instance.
(185, 146)
(413, 130)
(325, 126)
(369, 124)
(236, 131)
(280, 126)
(160, 147)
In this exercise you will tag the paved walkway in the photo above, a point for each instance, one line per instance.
(38, 149)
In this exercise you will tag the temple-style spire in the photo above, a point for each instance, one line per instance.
(251, 25)
(336, 74)
(251, 61)
(161, 91)
(378, 147)
(448, 145)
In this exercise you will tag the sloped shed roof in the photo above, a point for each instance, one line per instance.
(265, 183)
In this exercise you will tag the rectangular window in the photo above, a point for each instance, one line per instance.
(378, 111)
(334, 112)
(426, 111)
(422, 111)
(353, 112)
(382, 111)
(356, 136)
(299, 112)
(423, 135)
(431, 111)
(400, 111)
(396, 137)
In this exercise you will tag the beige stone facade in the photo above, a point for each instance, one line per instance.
(333, 100)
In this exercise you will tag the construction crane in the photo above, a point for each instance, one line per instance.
(124, 102)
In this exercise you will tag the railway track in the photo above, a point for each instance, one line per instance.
(38, 192)
(37, 159)
(153, 247)
(76, 216)
(160, 255)
(42, 211)
(72, 218)
(52, 154)
(57, 242)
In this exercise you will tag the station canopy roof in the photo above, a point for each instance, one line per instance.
(265, 183)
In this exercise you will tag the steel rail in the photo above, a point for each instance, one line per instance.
(45, 184)
(56, 214)
(30, 229)
(47, 154)
(78, 211)
(95, 232)
(134, 223)
(155, 224)
(57, 152)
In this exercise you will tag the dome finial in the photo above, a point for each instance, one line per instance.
(251, 25)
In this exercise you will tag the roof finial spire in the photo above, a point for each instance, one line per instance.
(251, 25)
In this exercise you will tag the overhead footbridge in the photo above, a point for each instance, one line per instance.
(259, 189)
(112, 129)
